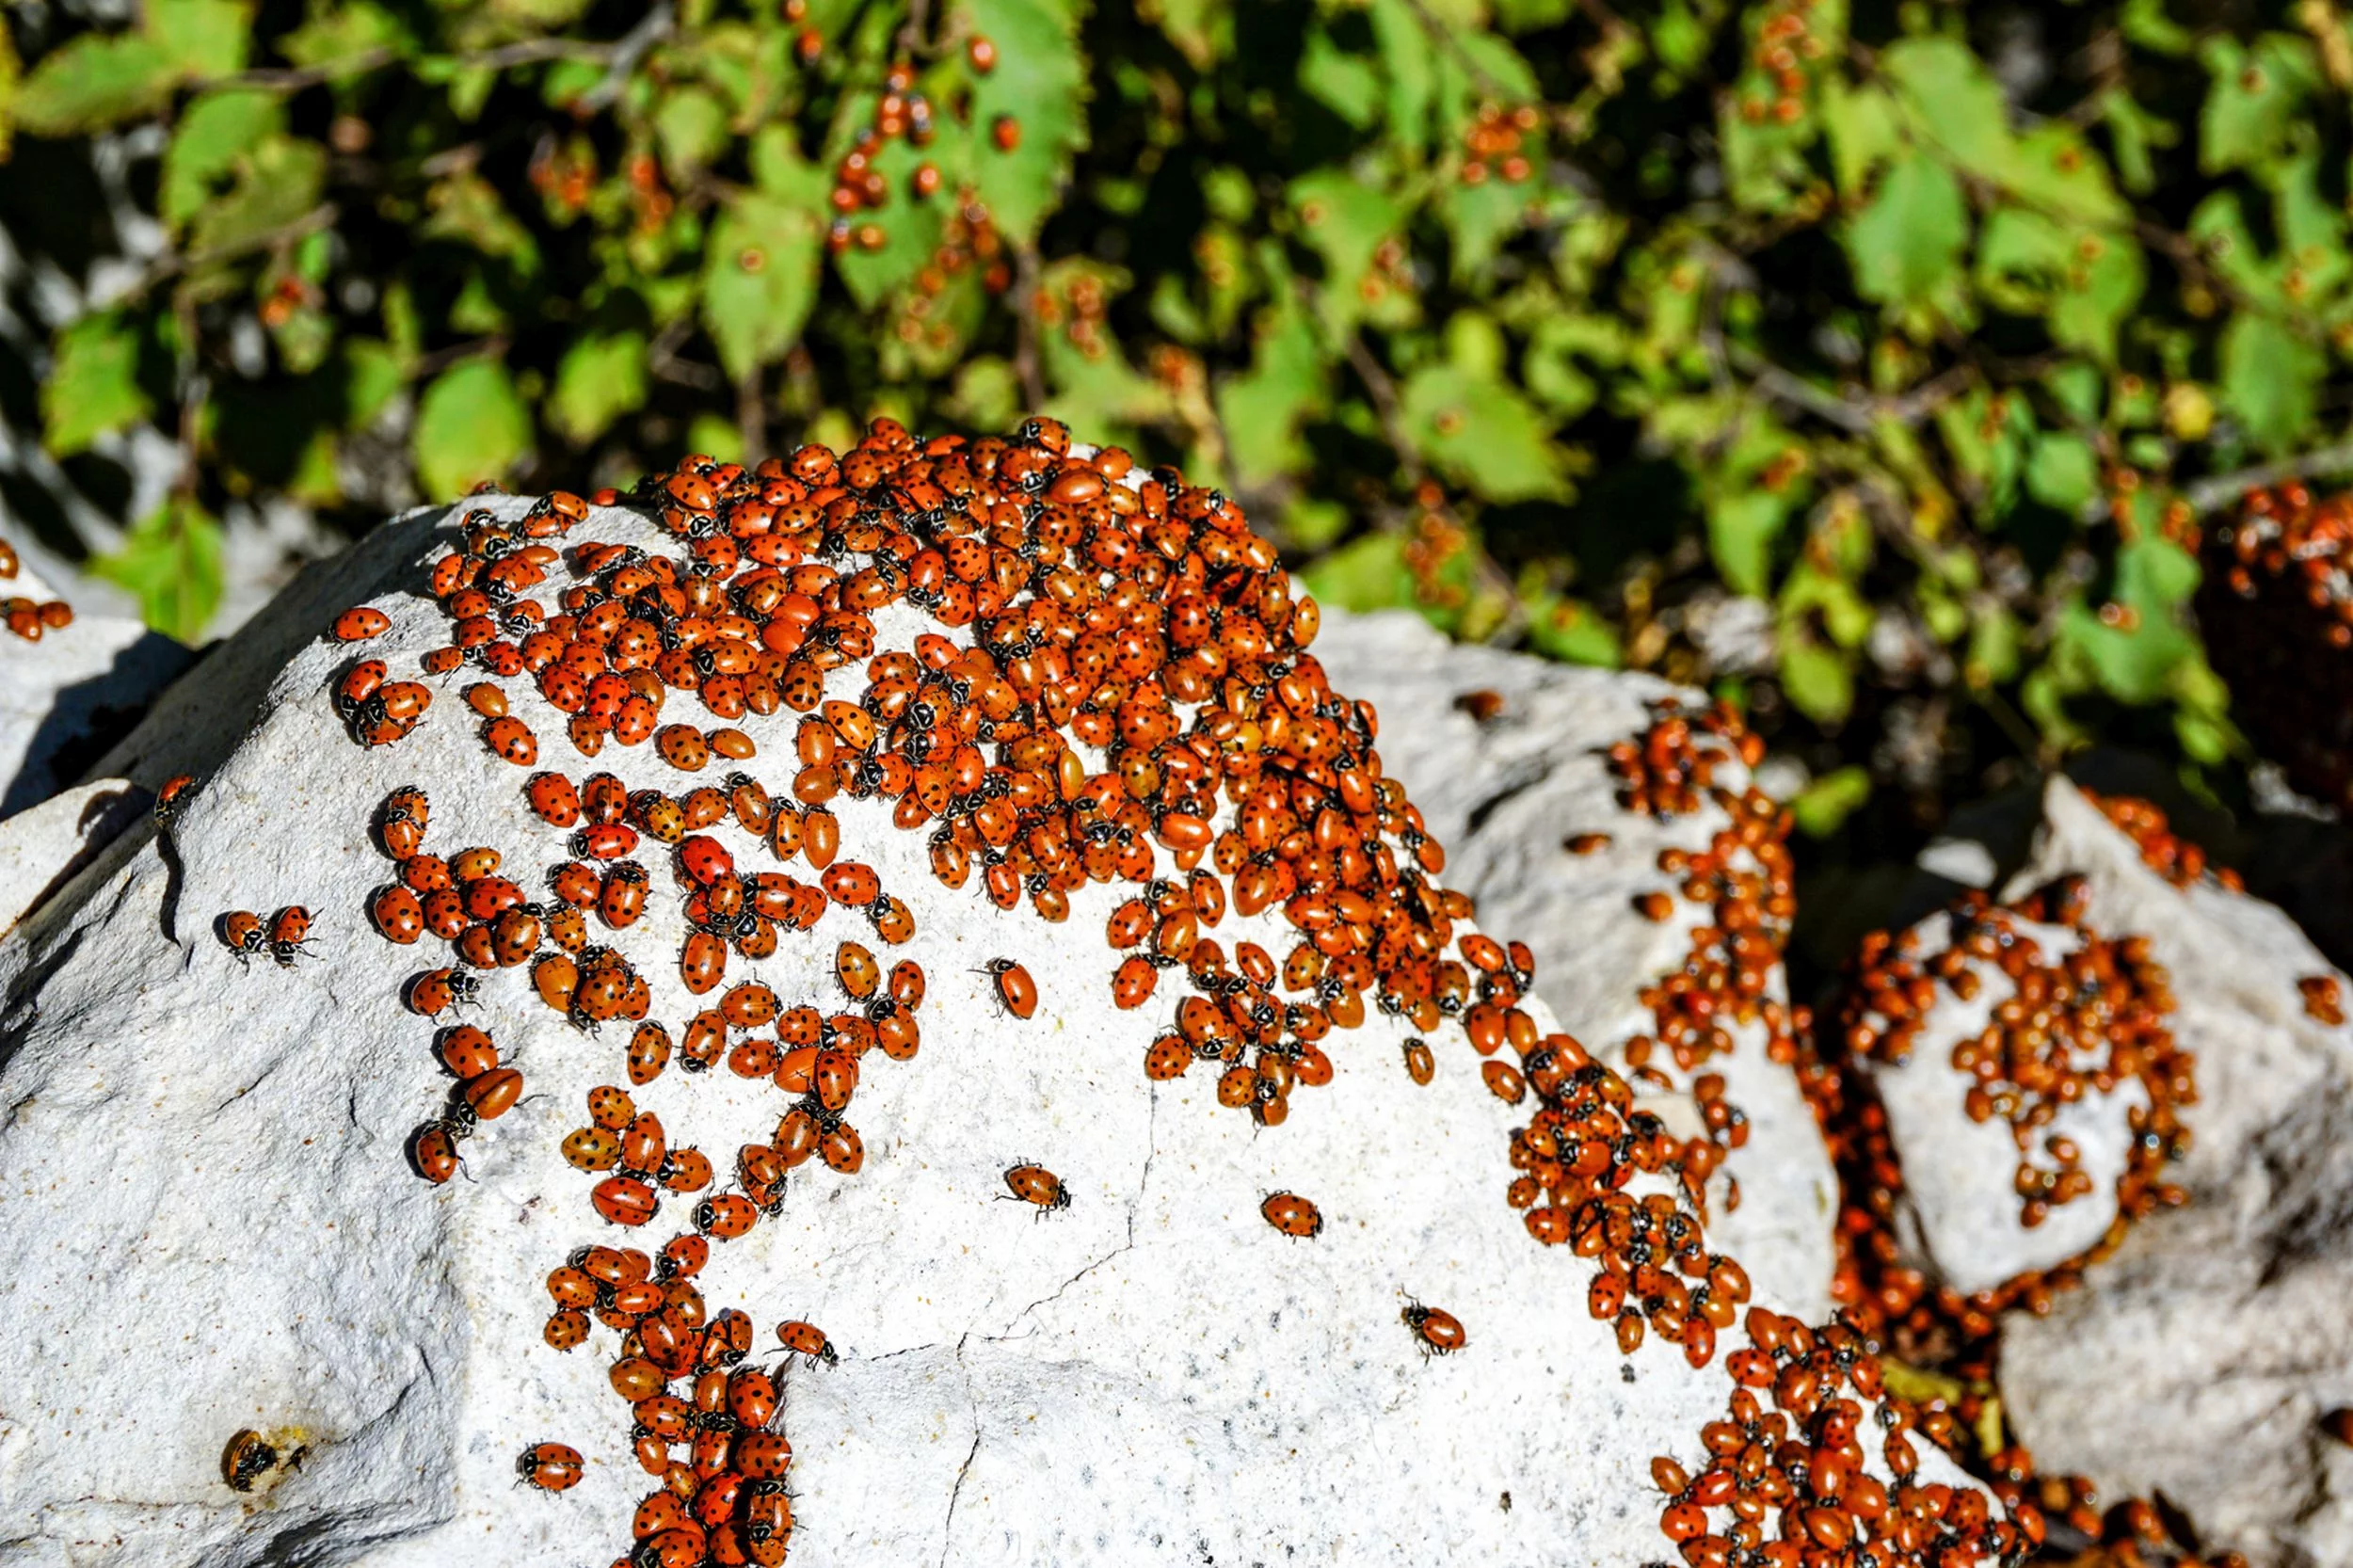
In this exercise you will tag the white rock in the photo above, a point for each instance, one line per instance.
(1501, 795)
(1959, 1211)
(67, 697)
(42, 847)
(210, 1224)
(2198, 1360)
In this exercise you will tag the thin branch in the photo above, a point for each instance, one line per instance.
(1444, 38)
(910, 38)
(504, 57)
(2226, 489)
(172, 264)
(1025, 353)
(633, 46)
(751, 418)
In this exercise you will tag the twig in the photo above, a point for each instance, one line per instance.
(527, 52)
(633, 46)
(1382, 388)
(1444, 38)
(910, 38)
(1025, 355)
(751, 420)
(2223, 489)
(174, 263)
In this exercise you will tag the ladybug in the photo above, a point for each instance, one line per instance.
(604, 841)
(434, 1151)
(1294, 1215)
(567, 1329)
(1420, 1064)
(705, 859)
(725, 1216)
(357, 625)
(802, 1338)
(649, 1053)
(249, 1457)
(553, 799)
(176, 793)
(682, 746)
(852, 884)
(1036, 1184)
(289, 933)
(1131, 988)
(467, 1051)
(752, 1398)
(435, 991)
(1440, 1331)
(487, 700)
(511, 739)
(241, 932)
(703, 962)
(397, 914)
(856, 969)
(623, 1200)
(1015, 991)
(549, 1466)
(1130, 923)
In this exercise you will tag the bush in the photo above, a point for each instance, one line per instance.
(1874, 365)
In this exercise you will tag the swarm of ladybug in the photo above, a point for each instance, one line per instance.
(2275, 609)
(1077, 603)
(28, 618)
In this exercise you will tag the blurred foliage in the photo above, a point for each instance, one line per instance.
(1874, 362)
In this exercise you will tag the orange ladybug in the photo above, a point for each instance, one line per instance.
(1294, 1215)
(1440, 1331)
(801, 1338)
(359, 623)
(289, 934)
(549, 1466)
(1015, 990)
(1036, 1184)
(241, 932)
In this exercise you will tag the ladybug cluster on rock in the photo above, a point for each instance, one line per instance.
(28, 618)
(1117, 688)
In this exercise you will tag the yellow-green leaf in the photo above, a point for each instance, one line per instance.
(471, 425)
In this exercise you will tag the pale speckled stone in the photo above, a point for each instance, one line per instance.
(207, 1222)
(2198, 1360)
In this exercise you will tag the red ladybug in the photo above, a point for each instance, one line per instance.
(289, 934)
(1131, 988)
(1294, 1215)
(1015, 990)
(397, 914)
(553, 799)
(357, 625)
(703, 962)
(725, 1216)
(1440, 1331)
(1036, 1184)
(625, 1200)
(705, 859)
(549, 1466)
(621, 898)
(803, 1339)
(434, 1150)
(511, 739)
(242, 934)
(176, 793)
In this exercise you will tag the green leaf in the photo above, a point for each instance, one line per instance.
(1955, 99)
(216, 130)
(172, 561)
(1369, 574)
(1572, 630)
(1039, 84)
(602, 377)
(1821, 807)
(1201, 30)
(1482, 433)
(2270, 380)
(691, 126)
(96, 81)
(1907, 243)
(2255, 99)
(1816, 681)
(277, 181)
(2062, 471)
(343, 32)
(1410, 64)
(466, 207)
(1261, 410)
(11, 74)
(1862, 123)
(203, 38)
(1346, 84)
(1345, 219)
(1742, 526)
(760, 279)
(471, 425)
(92, 386)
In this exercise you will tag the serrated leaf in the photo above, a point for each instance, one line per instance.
(1481, 433)
(1907, 243)
(1955, 99)
(343, 32)
(93, 81)
(760, 279)
(466, 207)
(1824, 805)
(2270, 379)
(1861, 121)
(171, 563)
(92, 386)
(214, 132)
(1040, 84)
(2062, 471)
(203, 38)
(1742, 527)
(602, 377)
(1410, 65)
(471, 425)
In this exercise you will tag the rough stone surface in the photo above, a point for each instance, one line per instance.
(66, 697)
(1959, 1209)
(209, 1223)
(2197, 1359)
(1501, 794)
(43, 845)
